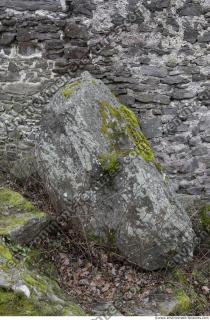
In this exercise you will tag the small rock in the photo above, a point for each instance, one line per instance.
(22, 290)
(205, 290)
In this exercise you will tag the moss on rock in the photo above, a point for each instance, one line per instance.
(11, 199)
(5, 252)
(70, 88)
(121, 124)
(16, 212)
(12, 304)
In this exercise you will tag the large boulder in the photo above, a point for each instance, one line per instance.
(98, 166)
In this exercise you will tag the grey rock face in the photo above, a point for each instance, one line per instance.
(91, 145)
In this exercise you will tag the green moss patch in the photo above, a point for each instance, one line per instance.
(12, 304)
(184, 303)
(10, 199)
(15, 211)
(5, 252)
(118, 125)
(35, 282)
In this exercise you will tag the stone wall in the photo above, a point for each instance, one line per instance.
(155, 55)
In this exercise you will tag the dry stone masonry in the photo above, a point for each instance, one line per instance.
(154, 55)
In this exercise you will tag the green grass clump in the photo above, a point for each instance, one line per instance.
(180, 276)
